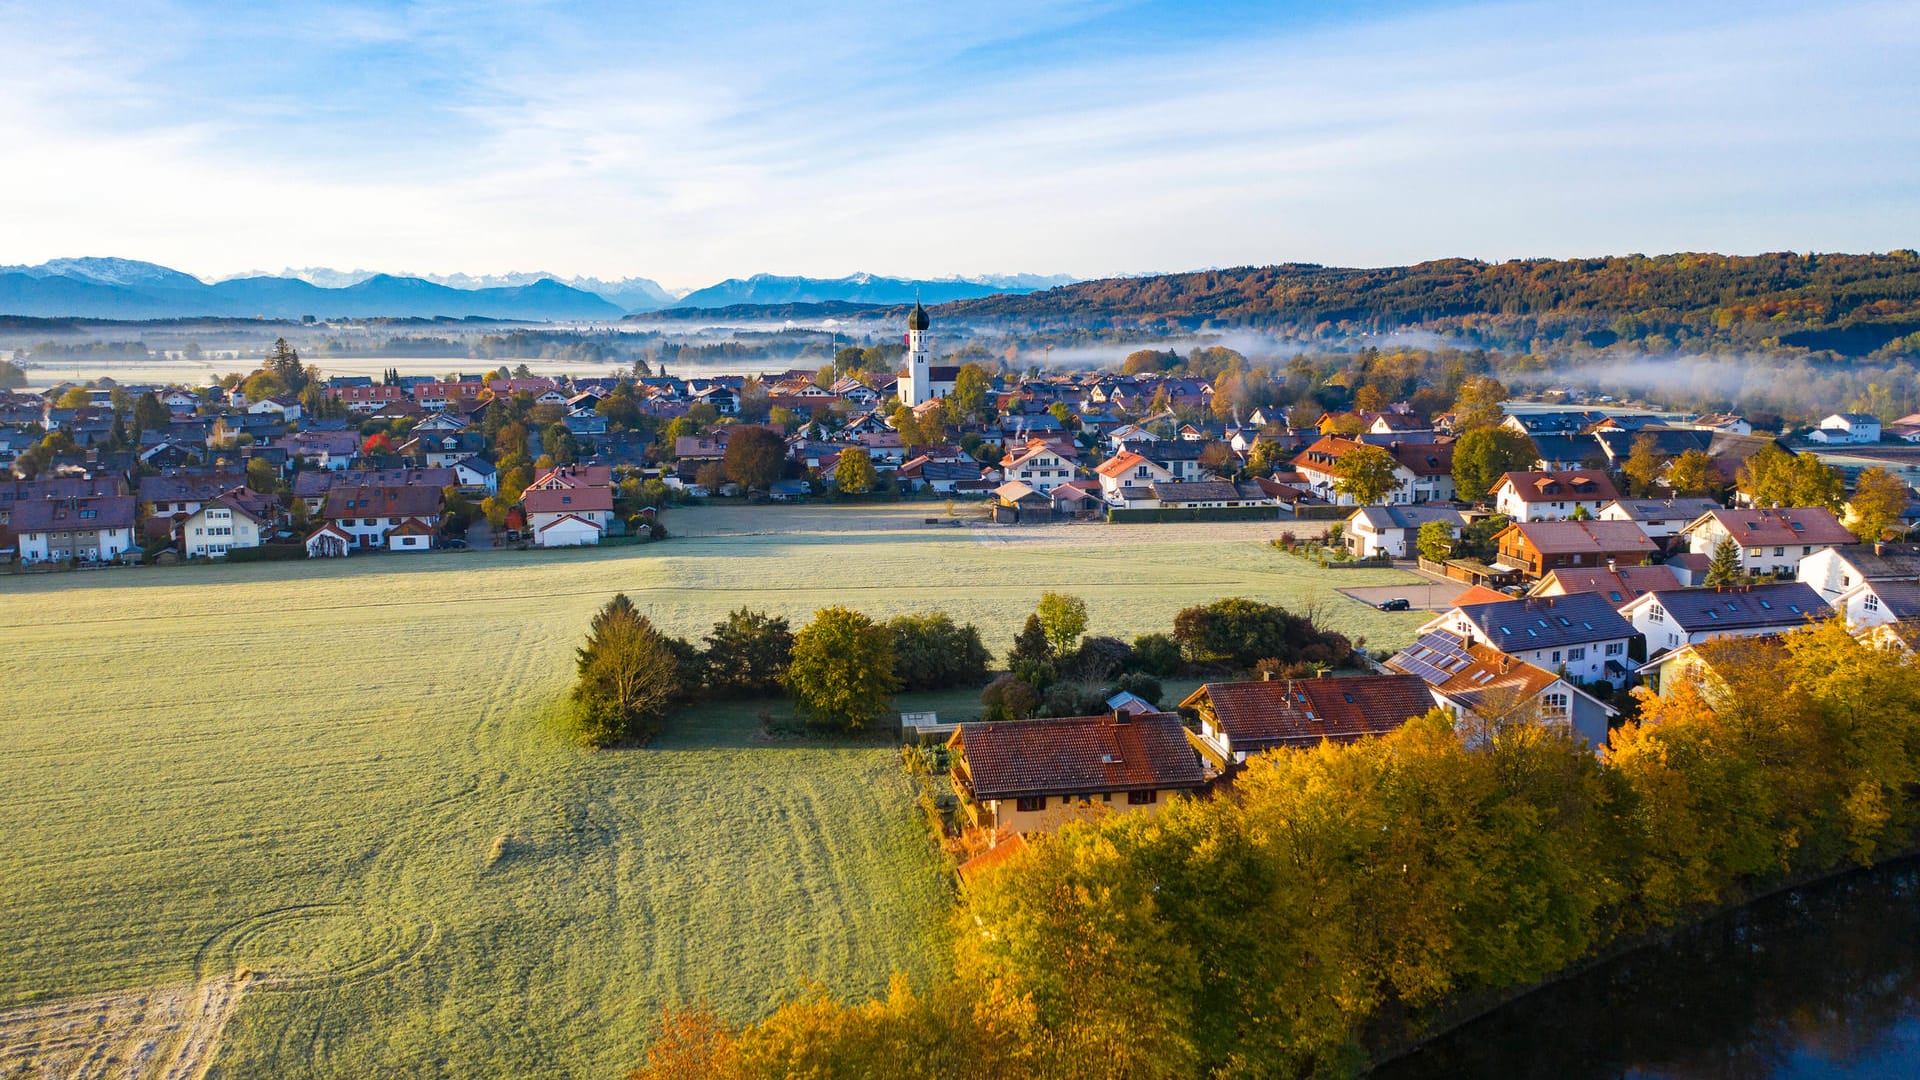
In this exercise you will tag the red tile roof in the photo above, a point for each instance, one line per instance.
(1079, 755)
(1260, 716)
(1584, 537)
(1786, 525)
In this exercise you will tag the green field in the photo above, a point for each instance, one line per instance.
(309, 768)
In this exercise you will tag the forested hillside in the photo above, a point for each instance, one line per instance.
(1850, 304)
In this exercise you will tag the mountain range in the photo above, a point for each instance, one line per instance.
(109, 288)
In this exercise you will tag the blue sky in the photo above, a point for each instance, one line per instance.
(690, 142)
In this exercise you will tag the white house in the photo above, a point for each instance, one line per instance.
(1127, 473)
(1845, 428)
(589, 508)
(220, 526)
(1423, 472)
(1660, 519)
(475, 475)
(1771, 541)
(1835, 571)
(1040, 465)
(410, 535)
(85, 529)
(1579, 635)
(1552, 496)
(330, 541)
(1671, 619)
(1877, 603)
(1394, 531)
(1479, 679)
(286, 407)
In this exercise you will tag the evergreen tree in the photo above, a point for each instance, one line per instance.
(1725, 569)
(629, 674)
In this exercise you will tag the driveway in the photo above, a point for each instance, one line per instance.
(1427, 594)
(479, 535)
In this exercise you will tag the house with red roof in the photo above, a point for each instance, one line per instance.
(1553, 496)
(568, 516)
(1240, 719)
(1771, 541)
(1035, 775)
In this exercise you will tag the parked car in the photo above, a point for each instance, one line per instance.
(1398, 603)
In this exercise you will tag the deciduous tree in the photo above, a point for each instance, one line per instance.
(842, 670)
(1063, 618)
(755, 457)
(628, 674)
(1484, 454)
(1878, 504)
(1367, 474)
(855, 474)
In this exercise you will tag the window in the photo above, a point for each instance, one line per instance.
(1754, 553)
(1871, 603)
(1030, 806)
(1576, 654)
(1779, 551)
(1141, 798)
(1615, 648)
(1556, 656)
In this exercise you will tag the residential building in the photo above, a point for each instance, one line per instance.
(568, 516)
(1669, 619)
(1036, 775)
(1771, 541)
(1240, 719)
(368, 514)
(1127, 478)
(241, 518)
(1394, 531)
(1041, 465)
(1552, 496)
(1535, 548)
(1423, 471)
(1660, 519)
(1847, 428)
(1472, 677)
(1835, 571)
(1580, 634)
(1618, 584)
(87, 529)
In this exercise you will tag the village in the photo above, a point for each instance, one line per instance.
(1599, 550)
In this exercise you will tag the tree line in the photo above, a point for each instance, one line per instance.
(1334, 898)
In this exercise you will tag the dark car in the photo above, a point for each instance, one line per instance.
(1398, 603)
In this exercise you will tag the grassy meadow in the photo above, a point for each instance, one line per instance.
(359, 766)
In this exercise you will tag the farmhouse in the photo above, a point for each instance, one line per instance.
(1552, 496)
(1579, 635)
(1472, 677)
(1036, 775)
(1669, 619)
(1244, 718)
(1771, 541)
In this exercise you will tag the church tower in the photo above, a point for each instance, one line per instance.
(917, 387)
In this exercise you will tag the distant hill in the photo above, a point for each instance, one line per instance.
(762, 312)
(1851, 304)
(125, 289)
(856, 289)
(630, 294)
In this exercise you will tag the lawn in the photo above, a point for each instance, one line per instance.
(351, 775)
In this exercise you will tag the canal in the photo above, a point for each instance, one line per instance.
(1818, 983)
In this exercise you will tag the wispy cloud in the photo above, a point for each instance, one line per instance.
(689, 143)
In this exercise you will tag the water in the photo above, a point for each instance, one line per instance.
(1817, 984)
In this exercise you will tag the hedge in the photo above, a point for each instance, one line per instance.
(1120, 515)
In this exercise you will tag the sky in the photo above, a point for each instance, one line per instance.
(691, 142)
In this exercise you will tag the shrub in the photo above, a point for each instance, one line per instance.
(1243, 632)
(1100, 658)
(1007, 698)
(1157, 655)
(747, 653)
(930, 652)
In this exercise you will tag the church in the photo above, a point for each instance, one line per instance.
(923, 382)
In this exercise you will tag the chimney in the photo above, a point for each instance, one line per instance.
(1323, 674)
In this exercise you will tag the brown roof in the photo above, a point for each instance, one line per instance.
(359, 502)
(1569, 537)
(1078, 755)
(1003, 850)
(1787, 525)
(72, 515)
(1582, 484)
(1302, 712)
(1618, 585)
(567, 500)
(1470, 672)
(575, 476)
(1424, 459)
